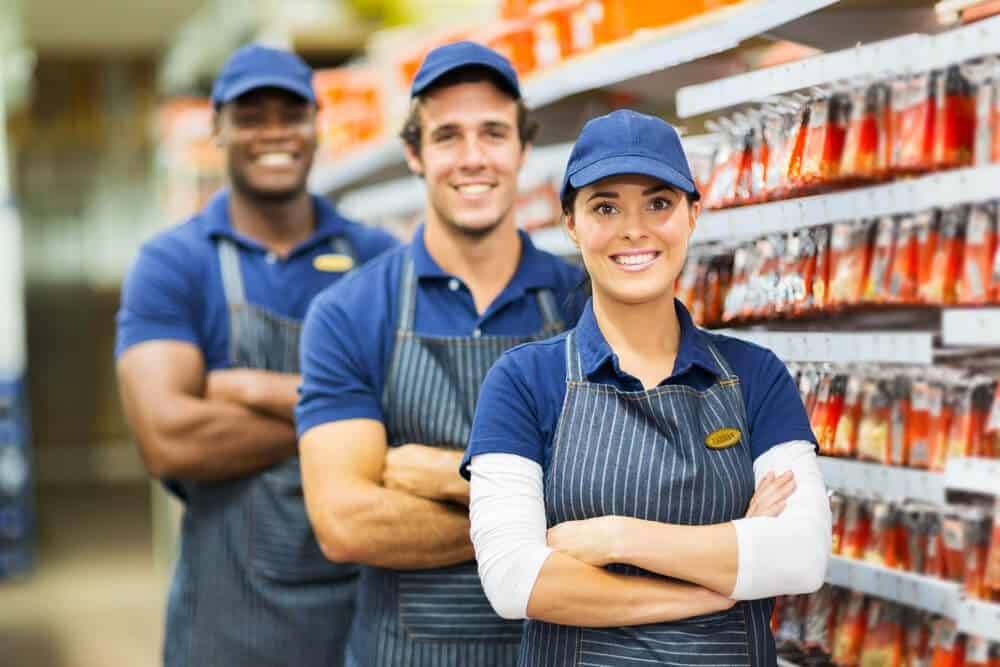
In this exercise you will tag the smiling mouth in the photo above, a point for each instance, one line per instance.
(474, 190)
(635, 261)
(275, 159)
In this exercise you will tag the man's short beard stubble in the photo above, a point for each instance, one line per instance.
(473, 234)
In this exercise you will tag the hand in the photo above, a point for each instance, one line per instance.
(232, 385)
(427, 472)
(714, 602)
(596, 541)
(769, 498)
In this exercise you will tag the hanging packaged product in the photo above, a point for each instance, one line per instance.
(971, 410)
(845, 439)
(726, 172)
(837, 516)
(778, 140)
(798, 273)
(934, 562)
(991, 578)
(881, 548)
(867, 143)
(974, 285)
(916, 520)
(920, 425)
(976, 525)
(916, 642)
(878, 288)
(980, 75)
(850, 260)
(874, 428)
(824, 144)
(913, 123)
(927, 225)
(946, 263)
(899, 418)
(820, 291)
(834, 413)
(819, 413)
(904, 273)
(769, 253)
(883, 642)
(942, 409)
(955, 120)
(947, 648)
(800, 129)
(791, 620)
(953, 540)
(977, 651)
(851, 621)
(857, 527)
(735, 300)
(821, 619)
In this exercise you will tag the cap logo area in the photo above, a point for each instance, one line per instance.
(333, 263)
(723, 438)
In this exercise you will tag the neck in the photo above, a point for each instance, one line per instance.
(279, 225)
(485, 264)
(645, 337)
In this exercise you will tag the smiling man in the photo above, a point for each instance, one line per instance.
(208, 363)
(392, 360)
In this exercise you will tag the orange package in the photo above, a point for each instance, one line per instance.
(942, 399)
(820, 287)
(903, 273)
(946, 264)
(780, 134)
(881, 549)
(926, 225)
(725, 172)
(878, 288)
(867, 142)
(820, 409)
(850, 260)
(955, 120)
(769, 253)
(977, 651)
(920, 425)
(917, 521)
(980, 250)
(991, 578)
(934, 563)
(967, 435)
(883, 642)
(687, 281)
(845, 438)
(954, 543)
(850, 631)
(857, 528)
(793, 177)
(916, 645)
(837, 512)
(824, 144)
(834, 412)
(913, 123)
(736, 297)
(802, 273)
(716, 285)
(976, 525)
(821, 619)
(899, 417)
(874, 429)
(947, 648)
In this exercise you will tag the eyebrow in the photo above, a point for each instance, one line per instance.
(450, 127)
(645, 193)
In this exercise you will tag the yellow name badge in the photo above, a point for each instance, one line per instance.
(724, 437)
(333, 263)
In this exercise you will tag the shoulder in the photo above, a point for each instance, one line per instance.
(364, 289)
(535, 362)
(176, 255)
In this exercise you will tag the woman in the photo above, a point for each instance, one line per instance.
(640, 488)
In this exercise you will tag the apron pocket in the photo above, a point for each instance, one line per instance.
(713, 639)
(449, 605)
(282, 544)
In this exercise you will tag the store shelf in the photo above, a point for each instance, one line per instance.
(933, 595)
(890, 482)
(337, 174)
(909, 53)
(979, 618)
(844, 348)
(971, 326)
(942, 189)
(974, 475)
(554, 240)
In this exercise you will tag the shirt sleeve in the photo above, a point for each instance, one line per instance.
(787, 554)
(506, 419)
(507, 513)
(157, 301)
(337, 372)
(774, 407)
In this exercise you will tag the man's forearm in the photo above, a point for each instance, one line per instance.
(267, 392)
(569, 592)
(393, 529)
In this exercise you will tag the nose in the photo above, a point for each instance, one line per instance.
(632, 228)
(473, 156)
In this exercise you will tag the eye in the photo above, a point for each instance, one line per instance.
(496, 133)
(605, 208)
(660, 204)
(294, 116)
(442, 137)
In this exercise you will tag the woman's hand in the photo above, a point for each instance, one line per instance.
(596, 541)
(769, 498)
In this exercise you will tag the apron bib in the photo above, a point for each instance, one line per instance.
(643, 455)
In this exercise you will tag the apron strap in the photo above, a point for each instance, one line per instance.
(721, 361)
(406, 315)
(574, 367)
(232, 278)
(551, 320)
(341, 246)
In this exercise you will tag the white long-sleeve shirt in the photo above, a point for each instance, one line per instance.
(785, 555)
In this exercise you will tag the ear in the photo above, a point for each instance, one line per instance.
(525, 152)
(413, 160)
(694, 210)
(217, 127)
(569, 223)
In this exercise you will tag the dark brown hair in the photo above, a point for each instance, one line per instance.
(527, 128)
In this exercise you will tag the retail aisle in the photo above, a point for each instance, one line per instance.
(95, 599)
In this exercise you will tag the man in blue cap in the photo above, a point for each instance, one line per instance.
(208, 365)
(392, 361)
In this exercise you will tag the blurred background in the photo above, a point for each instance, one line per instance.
(104, 139)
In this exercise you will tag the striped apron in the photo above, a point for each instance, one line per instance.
(251, 586)
(642, 454)
(438, 617)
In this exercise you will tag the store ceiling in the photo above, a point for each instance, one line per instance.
(103, 26)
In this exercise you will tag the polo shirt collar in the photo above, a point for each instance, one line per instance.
(535, 270)
(595, 353)
(216, 223)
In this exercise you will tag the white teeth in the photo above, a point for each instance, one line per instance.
(275, 159)
(473, 189)
(635, 259)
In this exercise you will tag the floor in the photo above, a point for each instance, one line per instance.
(96, 596)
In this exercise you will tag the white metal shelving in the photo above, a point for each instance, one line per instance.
(971, 326)
(336, 174)
(867, 347)
(979, 618)
(914, 590)
(890, 482)
(974, 475)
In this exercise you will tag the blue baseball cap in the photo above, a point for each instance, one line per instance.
(255, 66)
(628, 142)
(451, 57)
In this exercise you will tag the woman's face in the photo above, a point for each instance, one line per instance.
(633, 234)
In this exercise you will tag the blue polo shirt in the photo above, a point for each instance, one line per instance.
(174, 289)
(522, 396)
(348, 336)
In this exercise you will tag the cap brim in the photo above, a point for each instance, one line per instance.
(429, 78)
(632, 164)
(244, 87)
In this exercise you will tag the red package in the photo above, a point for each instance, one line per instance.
(903, 273)
(867, 143)
(953, 540)
(850, 260)
(947, 649)
(920, 425)
(824, 144)
(976, 525)
(845, 439)
(821, 274)
(946, 263)
(914, 115)
(801, 126)
(725, 173)
(874, 429)
(934, 563)
(974, 286)
(916, 638)
(687, 281)
(857, 528)
(819, 414)
(917, 520)
(744, 190)
(942, 400)
(779, 136)
(883, 642)
(955, 120)
(899, 417)
(991, 578)
(850, 631)
(980, 75)
(878, 287)
(834, 413)
(926, 226)
(799, 281)
(837, 514)
(968, 427)
(821, 619)
(882, 543)
(716, 284)
(977, 651)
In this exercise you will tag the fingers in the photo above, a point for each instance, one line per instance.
(772, 494)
